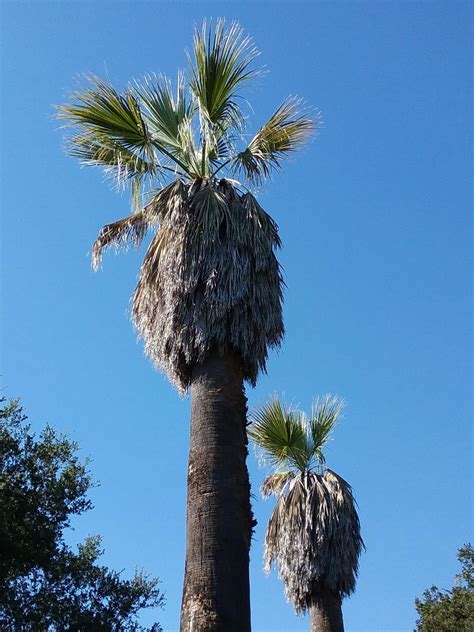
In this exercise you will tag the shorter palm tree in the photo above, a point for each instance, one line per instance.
(313, 535)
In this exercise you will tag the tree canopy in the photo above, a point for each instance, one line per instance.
(450, 610)
(152, 131)
(44, 585)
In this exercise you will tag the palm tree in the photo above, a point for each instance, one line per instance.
(313, 535)
(208, 299)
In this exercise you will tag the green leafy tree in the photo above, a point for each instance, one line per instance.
(208, 299)
(450, 610)
(44, 585)
(313, 535)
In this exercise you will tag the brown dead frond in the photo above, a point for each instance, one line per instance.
(132, 229)
(275, 483)
(209, 280)
(313, 537)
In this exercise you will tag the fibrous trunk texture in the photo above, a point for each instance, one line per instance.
(219, 519)
(326, 612)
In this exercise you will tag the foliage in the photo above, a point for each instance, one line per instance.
(450, 610)
(44, 585)
(288, 439)
(210, 279)
(149, 129)
(313, 535)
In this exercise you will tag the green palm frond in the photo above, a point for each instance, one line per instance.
(285, 132)
(221, 64)
(325, 413)
(190, 154)
(193, 131)
(121, 163)
(280, 433)
(100, 109)
(287, 437)
(219, 150)
(163, 111)
(102, 116)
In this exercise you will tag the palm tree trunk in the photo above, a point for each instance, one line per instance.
(326, 612)
(219, 519)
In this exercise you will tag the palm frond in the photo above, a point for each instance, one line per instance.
(275, 483)
(267, 227)
(189, 153)
(285, 132)
(163, 111)
(219, 150)
(325, 413)
(221, 65)
(100, 109)
(117, 161)
(132, 229)
(103, 116)
(280, 433)
(313, 536)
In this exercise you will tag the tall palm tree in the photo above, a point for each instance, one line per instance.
(313, 535)
(208, 299)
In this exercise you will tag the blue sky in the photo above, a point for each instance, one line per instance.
(374, 217)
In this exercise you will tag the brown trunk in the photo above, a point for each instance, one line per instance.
(326, 612)
(219, 520)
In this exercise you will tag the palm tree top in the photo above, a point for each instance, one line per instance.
(150, 132)
(290, 440)
(313, 535)
(179, 149)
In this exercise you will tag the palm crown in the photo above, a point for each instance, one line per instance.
(210, 279)
(313, 535)
(151, 132)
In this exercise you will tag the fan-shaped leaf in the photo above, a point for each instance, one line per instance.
(280, 433)
(325, 413)
(285, 132)
(221, 64)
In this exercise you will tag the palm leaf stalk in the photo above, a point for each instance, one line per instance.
(313, 535)
(208, 303)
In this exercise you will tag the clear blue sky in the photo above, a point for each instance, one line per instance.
(374, 217)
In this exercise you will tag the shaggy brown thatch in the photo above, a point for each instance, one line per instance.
(313, 535)
(209, 280)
